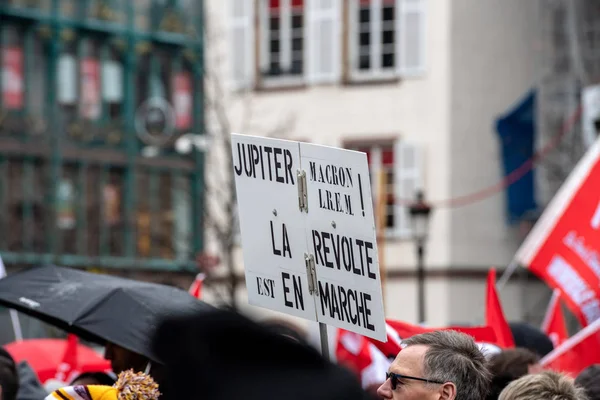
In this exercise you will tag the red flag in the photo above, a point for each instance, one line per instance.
(576, 353)
(67, 370)
(196, 288)
(554, 322)
(358, 354)
(398, 330)
(494, 315)
(562, 248)
(352, 351)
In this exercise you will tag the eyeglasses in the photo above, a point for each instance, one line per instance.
(395, 377)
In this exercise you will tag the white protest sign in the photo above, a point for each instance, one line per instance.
(342, 239)
(308, 232)
(271, 224)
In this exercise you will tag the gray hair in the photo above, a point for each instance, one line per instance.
(543, 386)
(454, 357)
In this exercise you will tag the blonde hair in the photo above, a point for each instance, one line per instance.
(547, 385)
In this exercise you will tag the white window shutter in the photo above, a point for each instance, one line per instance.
(264, 42)
(241, 14)
(411, 46)
(323, 40)
(408, 176)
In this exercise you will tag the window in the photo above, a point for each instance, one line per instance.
(90, 90)
(298, 42)
(282, 38)
(381, 167)
(399, 163)
(13, 69)
(376, 35)
(163, 97)
(23, 81)
(386, 38)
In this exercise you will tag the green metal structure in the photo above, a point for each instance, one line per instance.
(76, 188)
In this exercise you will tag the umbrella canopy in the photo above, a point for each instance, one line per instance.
(96, 307)
(46, 355)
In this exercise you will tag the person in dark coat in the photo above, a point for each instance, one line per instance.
(30, 387)
(221, 355)
(9, 378)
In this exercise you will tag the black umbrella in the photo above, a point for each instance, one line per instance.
(96, 307)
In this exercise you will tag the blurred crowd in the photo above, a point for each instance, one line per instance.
(223, 355)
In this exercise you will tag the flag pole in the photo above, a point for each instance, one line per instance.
(551, 305)
(510, 270)
(16, 323)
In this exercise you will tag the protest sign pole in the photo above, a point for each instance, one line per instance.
(324, 341)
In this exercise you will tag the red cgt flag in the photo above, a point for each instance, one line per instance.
(370, 358)
(563, 247)
(554, 322)
(576, 353)
(398, 330)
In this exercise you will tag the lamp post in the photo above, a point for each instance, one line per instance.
(419, 213)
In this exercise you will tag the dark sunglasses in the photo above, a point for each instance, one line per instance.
(395, 377)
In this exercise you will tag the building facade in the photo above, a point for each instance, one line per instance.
(95, 94)
(417, 85)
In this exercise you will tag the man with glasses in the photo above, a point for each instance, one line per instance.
(440, 365)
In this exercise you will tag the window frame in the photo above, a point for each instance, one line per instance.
(373, 73)
(375, 164)
(285, 38)
(402, 228)
(405, 12)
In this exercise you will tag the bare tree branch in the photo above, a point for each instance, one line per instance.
(221, 204)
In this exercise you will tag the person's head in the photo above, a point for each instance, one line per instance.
(531, 338)
(129, 385)
(543, 386)
(589, 380)
(122, 359)
(93, 378)
(440, 365)
(9, 378)
(514, 362)
(285, 328)
(509, 365)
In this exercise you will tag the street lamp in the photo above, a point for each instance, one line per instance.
(419, 213)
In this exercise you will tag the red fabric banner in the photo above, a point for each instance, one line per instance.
(182, 100)
(13, 93)
(554, 322)
(576, 353)
(563, 248)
